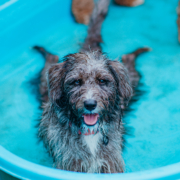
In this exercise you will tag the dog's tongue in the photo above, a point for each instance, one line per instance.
(91, 119)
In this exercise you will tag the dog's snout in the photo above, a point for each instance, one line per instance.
(90, 104)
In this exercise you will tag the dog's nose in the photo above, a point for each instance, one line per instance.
(90, 104)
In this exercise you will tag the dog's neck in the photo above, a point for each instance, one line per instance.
(92, 141)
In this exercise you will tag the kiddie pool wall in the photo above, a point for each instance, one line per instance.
(22, 169)
(23, 23)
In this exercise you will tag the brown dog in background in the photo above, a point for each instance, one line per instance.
(82, 9)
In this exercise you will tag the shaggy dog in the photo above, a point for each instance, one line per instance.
(83, 99)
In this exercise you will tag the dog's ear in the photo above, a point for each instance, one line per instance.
(121, 77)
(55, 78)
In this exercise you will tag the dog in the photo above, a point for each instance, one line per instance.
(83, 100)
(82, 10)
(130, 3)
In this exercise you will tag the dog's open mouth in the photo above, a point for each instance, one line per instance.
(90, 119)
(90, 126)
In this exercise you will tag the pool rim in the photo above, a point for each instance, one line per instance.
(23, 169)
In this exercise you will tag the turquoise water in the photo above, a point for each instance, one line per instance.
(156, 119)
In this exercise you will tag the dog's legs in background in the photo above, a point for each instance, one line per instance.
(134, 77)
(50, 59)
(93, 39)
(129, 62)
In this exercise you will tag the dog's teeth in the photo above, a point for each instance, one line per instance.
(89, 132)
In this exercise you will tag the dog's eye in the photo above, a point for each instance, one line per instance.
(77, 82)
(102, 81)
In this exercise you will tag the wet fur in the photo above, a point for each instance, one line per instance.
(65, 104)
(69, 150)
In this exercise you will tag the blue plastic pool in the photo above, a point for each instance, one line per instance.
(153, 152)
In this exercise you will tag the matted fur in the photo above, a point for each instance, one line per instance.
(66, 104)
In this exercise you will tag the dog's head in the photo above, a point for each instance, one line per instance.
(89, 87)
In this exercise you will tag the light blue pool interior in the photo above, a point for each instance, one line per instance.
(156, 119)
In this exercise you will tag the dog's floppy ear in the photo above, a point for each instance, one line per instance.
(55, 78)
(121, 77)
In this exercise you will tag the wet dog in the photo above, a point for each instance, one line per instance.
(83, 101)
